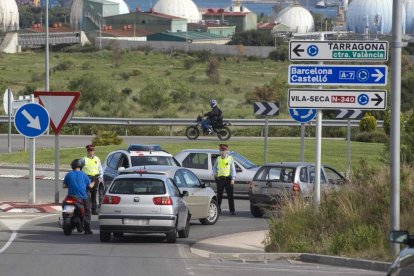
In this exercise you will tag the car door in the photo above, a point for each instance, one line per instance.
(270, 181)
(111, 169)
(334, 178)
(198, 199)
(198, 163)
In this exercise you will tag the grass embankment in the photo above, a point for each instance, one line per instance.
(333, 151)
(353, 222)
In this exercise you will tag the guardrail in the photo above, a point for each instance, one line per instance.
(188, 122)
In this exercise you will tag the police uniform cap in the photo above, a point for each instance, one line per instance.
(90, 147)
(223, 147)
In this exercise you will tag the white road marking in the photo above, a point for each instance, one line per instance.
(15, 225)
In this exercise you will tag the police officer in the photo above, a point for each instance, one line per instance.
(225, 174)
(93, 168)
(77, 183)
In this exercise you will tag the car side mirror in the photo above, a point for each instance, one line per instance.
(203, 185)
(238, 170)
(398, 237)
(121, 169)
(184, 193)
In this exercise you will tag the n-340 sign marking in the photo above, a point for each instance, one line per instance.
(338, 50)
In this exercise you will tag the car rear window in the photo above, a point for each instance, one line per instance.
(281, 174)
(152, 160)
(137, 186)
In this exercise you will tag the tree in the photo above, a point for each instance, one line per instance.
(252, 38)
(155, 96)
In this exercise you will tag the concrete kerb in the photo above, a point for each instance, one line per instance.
(304, 257)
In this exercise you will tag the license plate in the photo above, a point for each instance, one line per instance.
(135, 221)
(68, 209)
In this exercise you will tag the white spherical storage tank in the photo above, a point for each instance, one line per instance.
(299, 19)
(409, 18)
(123, 7)
(9, 15)
(372, 15)
(76, 14)
(179, 8)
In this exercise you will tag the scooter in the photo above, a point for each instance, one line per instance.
(73, 213)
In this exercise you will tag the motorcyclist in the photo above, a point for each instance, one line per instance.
(93, 168)
(77, 183)
(213, 116)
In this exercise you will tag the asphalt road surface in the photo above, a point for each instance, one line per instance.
(35, 245)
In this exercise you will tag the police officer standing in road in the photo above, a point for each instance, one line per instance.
(225, 174)
(93, 168)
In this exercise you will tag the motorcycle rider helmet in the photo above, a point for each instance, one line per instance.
(213, 103)
(77, 163)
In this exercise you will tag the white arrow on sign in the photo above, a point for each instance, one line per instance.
(274, 110)
(33, 122)
(261, 108)
(379, 75)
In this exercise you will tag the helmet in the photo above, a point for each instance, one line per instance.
(77, 163)
(213, 103)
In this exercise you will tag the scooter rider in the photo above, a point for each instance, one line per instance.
(93, 168)
(77, 182)
(212, 116)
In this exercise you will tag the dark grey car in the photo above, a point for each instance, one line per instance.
(403, 265)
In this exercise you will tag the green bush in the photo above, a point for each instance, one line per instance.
(368, 123)
(63, 66)
(370, 137)
(105, 138)
(188, 63)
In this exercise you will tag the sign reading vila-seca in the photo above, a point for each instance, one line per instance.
(338, 50)
(59, 105)
(337, 99)
(361, 75)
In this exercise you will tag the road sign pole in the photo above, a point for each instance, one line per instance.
(265, 140)
(302, 142)
(9, 109)
(32, 169)
(57, 167)
(317, 200)
(395, 120)
(348, 149)
(32, 172)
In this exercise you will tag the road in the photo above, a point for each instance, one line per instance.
(40, 248)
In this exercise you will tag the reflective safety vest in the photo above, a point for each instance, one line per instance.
(91, 165)
(223, 166)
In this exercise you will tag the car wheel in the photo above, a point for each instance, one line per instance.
(212, 215)
(256, 211)
(104, 236)
(118, 234)
(184, 233)
(172, 236)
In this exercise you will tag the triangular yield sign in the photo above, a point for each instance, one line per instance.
(59, 105)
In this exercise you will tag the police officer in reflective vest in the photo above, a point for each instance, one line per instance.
(225, 173)
(93, 168)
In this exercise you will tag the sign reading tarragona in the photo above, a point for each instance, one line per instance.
(338, 50)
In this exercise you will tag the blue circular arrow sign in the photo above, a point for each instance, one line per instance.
(31, 120)
(302, 115)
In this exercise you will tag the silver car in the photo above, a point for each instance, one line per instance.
(201, 161)
(141, 202)
(201, 200)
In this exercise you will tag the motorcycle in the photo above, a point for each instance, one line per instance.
(72, 215)
(221, 129)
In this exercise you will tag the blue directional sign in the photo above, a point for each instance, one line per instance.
(361, 75)
(31, 120)
(302, 115)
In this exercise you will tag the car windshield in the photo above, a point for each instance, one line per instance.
(137, 186)
(152, 160)
(246, 163)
